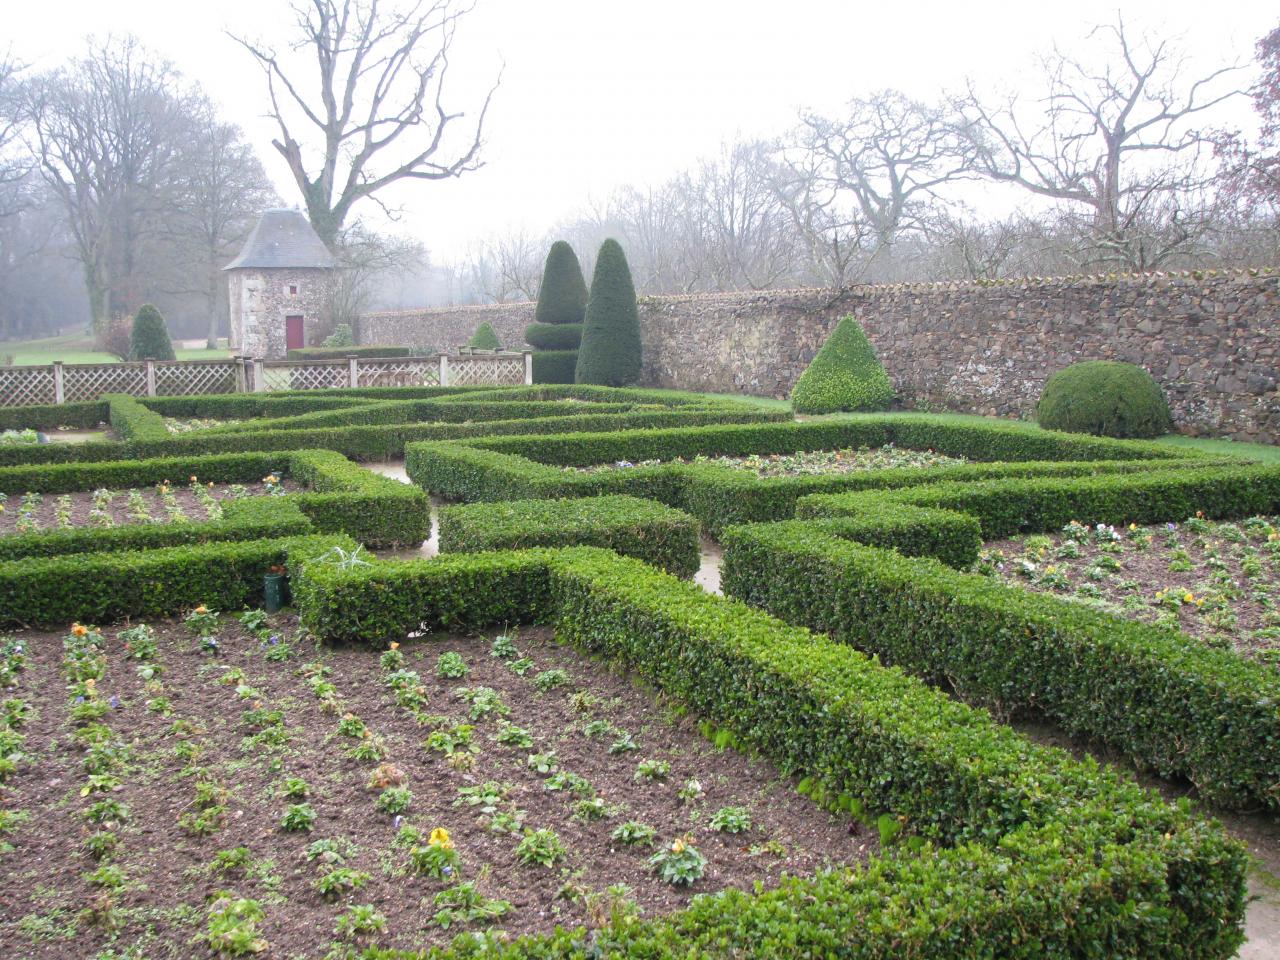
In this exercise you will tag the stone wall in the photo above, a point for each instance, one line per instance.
(1212, 341)
(445, 329)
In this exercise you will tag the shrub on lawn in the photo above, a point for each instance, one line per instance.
(1106, 398)
(485, 339)
(150, 338)
(845, 375)
(341, 337)
(610, 351)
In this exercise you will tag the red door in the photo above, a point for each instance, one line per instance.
(293, 339)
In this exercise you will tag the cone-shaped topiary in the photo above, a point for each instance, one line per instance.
(845, 375)
(1106, 398)
(610, 351)
(150, 338)
(485, 339)
(562, 297)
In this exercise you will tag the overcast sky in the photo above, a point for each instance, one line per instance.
(596, 93)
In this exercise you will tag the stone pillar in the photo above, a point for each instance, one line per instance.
(59, 394)
(444, 369)
(528, 368)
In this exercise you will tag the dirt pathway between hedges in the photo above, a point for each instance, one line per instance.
(1260, 832)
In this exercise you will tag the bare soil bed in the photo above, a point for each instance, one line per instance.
(163, 503)
(806, 463)
(221, 743)
(1219, 582)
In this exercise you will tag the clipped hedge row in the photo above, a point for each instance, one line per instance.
(976, 442)
(80, 416)
(345, 498)
(340, 353)
(1044, 505)
(132, 421)
(342, 497)
(524, 467)
(421, 411)
(258, 518)
(70, 477)
(1170, 703)
(105, 587)
(1046, 854)
(375, 442)
(649, 531)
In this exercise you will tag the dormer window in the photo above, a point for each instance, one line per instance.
(293, 289)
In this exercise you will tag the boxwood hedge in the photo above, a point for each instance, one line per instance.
(365, 424)
(1026, 851)
(649, 531)
(103, 587)
(524, 467)
(342, 497)
(1167, 701)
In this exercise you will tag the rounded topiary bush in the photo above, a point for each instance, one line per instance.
(845, 375)
(562, 295)
(150, 337)
(553, 336)
(1106, 398)
(485, 339)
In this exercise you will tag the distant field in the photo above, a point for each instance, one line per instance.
(77, 348)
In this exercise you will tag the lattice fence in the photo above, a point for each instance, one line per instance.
(497, 369)
(74, 382)
(407, 372)
(88, 381)
(183, 379)
(305, 374)
(25, 386)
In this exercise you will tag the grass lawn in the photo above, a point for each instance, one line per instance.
(77, 348)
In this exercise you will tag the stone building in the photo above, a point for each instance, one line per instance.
(278, 286)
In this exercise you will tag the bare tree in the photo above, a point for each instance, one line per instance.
(1116, 145)
(108, 133)
(507, 268)
(873, 174)
(376, 109)
(736, 225)
(363, 257)
(14, 162)
(222, 189)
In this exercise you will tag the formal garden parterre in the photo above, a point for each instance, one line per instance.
(984, 838)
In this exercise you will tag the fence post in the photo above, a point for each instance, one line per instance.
(151, 377)
(59, 394)
(239, 362)
(528, 368)
(353, 376)
(444, 369)
(259, 376)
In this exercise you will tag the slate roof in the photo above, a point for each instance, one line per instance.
(283, 238)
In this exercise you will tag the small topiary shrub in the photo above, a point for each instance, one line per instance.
(610, 351)
(1106, 398)
(562, 297)
(150, 338)
(845, 375)
(485, 339)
